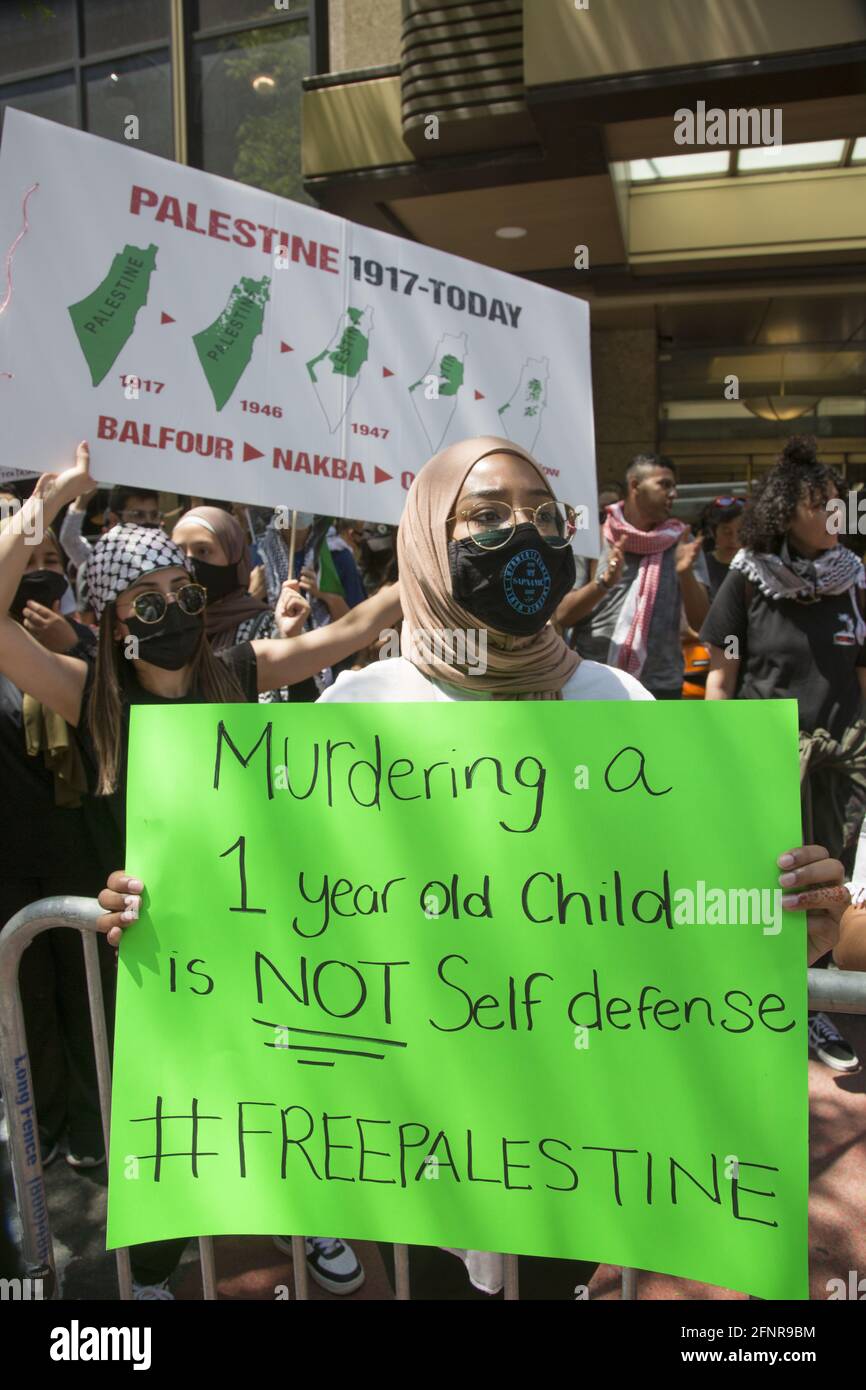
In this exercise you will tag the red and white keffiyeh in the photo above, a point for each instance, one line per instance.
(628, 645)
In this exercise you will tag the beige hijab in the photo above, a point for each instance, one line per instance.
(529, 668)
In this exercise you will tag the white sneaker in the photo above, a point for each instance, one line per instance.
(333, 1264)
(83, 1160)
(152, 1293)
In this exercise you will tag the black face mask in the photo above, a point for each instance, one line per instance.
(219, 580)
(172, 642)
(42, 586)
(515, 589)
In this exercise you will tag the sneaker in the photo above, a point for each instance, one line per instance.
(48, 1150)
(333, 1264)
(829, 1046)
(83, 1161)
(152, 1293)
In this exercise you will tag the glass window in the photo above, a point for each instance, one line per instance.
(767, 158)
(678, 166)
(36, 36)
(139, 87)
(111, 24)
(210, 14)
(245, 107)
(51, 97)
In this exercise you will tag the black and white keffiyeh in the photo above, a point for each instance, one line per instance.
(834, 571)
(123, 555)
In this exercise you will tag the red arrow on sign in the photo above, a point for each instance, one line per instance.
(386, 372)
(165, 318)
(479, 396)
(284, 347)
(380, 476)
(251, 453)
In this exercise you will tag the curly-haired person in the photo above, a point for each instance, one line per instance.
(787, 623)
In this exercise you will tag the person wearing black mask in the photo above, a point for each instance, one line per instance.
(152, 649)
(485, 557)
(46, 850)
(216, 548)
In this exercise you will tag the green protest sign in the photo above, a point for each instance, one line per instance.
(509, 976)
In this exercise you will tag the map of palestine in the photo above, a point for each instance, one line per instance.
(105, 320)
(225, 348)
(335, 371)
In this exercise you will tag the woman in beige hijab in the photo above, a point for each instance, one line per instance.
(485, 558)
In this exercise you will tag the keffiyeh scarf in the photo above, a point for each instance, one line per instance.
(628, 645)
(122, 556)
(835, 571)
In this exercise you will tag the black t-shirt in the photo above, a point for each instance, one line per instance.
(38, 838)
(717, 571)
(106, 815)
(788, 650)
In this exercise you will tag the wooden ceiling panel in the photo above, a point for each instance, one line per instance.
(558, 215)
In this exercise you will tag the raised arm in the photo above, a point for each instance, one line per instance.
(77, 548)
(285, 661)
(57, 681)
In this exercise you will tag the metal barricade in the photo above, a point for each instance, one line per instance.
(831, 991)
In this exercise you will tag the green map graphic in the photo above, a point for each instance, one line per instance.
(104, 321)
(521, 415)
(339, 364)
(450, 376)
(225, 348)
(350, 354)
(533, 397)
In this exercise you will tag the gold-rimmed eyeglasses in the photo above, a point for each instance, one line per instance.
(492, 524)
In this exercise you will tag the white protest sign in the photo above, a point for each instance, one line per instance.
(209, 338)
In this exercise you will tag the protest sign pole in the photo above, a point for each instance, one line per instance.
(402, 1289)
(299, 1265)
(292, 544)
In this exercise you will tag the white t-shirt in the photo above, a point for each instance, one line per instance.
(397, 680)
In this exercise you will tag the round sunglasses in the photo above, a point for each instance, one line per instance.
(151, 607)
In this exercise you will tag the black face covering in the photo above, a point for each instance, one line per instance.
(42, 586)
(172, 642)
(219, 580)
(515, 589)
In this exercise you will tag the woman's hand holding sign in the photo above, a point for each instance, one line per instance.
(814, 882)
(811, 880)
(121, 898)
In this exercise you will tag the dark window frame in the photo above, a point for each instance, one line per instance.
(315, 12)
